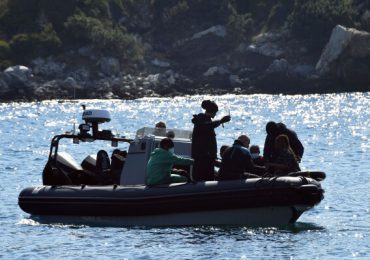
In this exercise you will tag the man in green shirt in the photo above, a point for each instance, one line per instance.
(161, 162)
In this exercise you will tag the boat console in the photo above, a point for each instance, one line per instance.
(146, 140)
(135, 161)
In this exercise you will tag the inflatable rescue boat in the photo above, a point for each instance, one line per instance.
(112, 188)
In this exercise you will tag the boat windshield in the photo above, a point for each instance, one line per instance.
(164, 132)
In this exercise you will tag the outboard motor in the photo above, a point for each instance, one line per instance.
(64, 174)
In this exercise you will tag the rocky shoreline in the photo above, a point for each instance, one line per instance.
(272, 63)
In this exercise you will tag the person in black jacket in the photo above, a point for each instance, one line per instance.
(204, 144)
(275, 129)
(237, 162)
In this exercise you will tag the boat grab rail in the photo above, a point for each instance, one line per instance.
(80, 137)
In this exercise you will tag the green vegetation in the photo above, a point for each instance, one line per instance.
(4, 50)
(32, 28)
(29, 45)
(4, 55)
(314, 20)
(240, 25)
(103, 36)
(41, 28)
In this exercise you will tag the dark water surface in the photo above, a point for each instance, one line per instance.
(335, 130)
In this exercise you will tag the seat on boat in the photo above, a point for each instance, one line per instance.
(97, 169)
(102, 162)
(118, 160)
(103, 172)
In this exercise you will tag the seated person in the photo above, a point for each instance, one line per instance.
(294, 142)
(103, 174)
(273, 130)
(237, 162)
(160, 165)
(286, 160)
(170, 134)
(160, 129)
(160, 124)
(223, 149)
(218, 160)
(255, 154)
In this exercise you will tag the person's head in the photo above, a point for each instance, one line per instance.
(116, 151)
(271, 128)
(244, 140)
(166, 143)
(119, 153)
(282, 142)
(254, 149)
(160, 124)
(123, 153)
(170, 134)
(281, 126)
(223, 149)
(210, 107)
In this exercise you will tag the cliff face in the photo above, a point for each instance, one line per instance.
(129, 49)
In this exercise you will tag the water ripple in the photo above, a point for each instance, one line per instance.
(334, 128)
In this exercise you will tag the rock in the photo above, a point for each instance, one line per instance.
(303, 70)
(70, 83)
(216, 70)
(17, 75)
(4, 88)
(242, 48)
(298, 70)
(47, 67)
(267, 44)
(279, 65)
(110, 95)
(109, 66)
(268, 49)
(153, 80)
(217, 30)
(82, 74)
(192, 52)
(51, 90)
(235, 80)
(339, 40)
(159, 63)
(245, 71)
(85, 51)
(171, 80)
(346, 56)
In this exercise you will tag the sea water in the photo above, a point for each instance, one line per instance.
(334, 129)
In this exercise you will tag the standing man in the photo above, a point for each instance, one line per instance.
(204, 144)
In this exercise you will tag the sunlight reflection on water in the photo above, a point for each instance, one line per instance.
(334, 128)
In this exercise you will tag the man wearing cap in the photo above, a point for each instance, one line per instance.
(204, 144)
